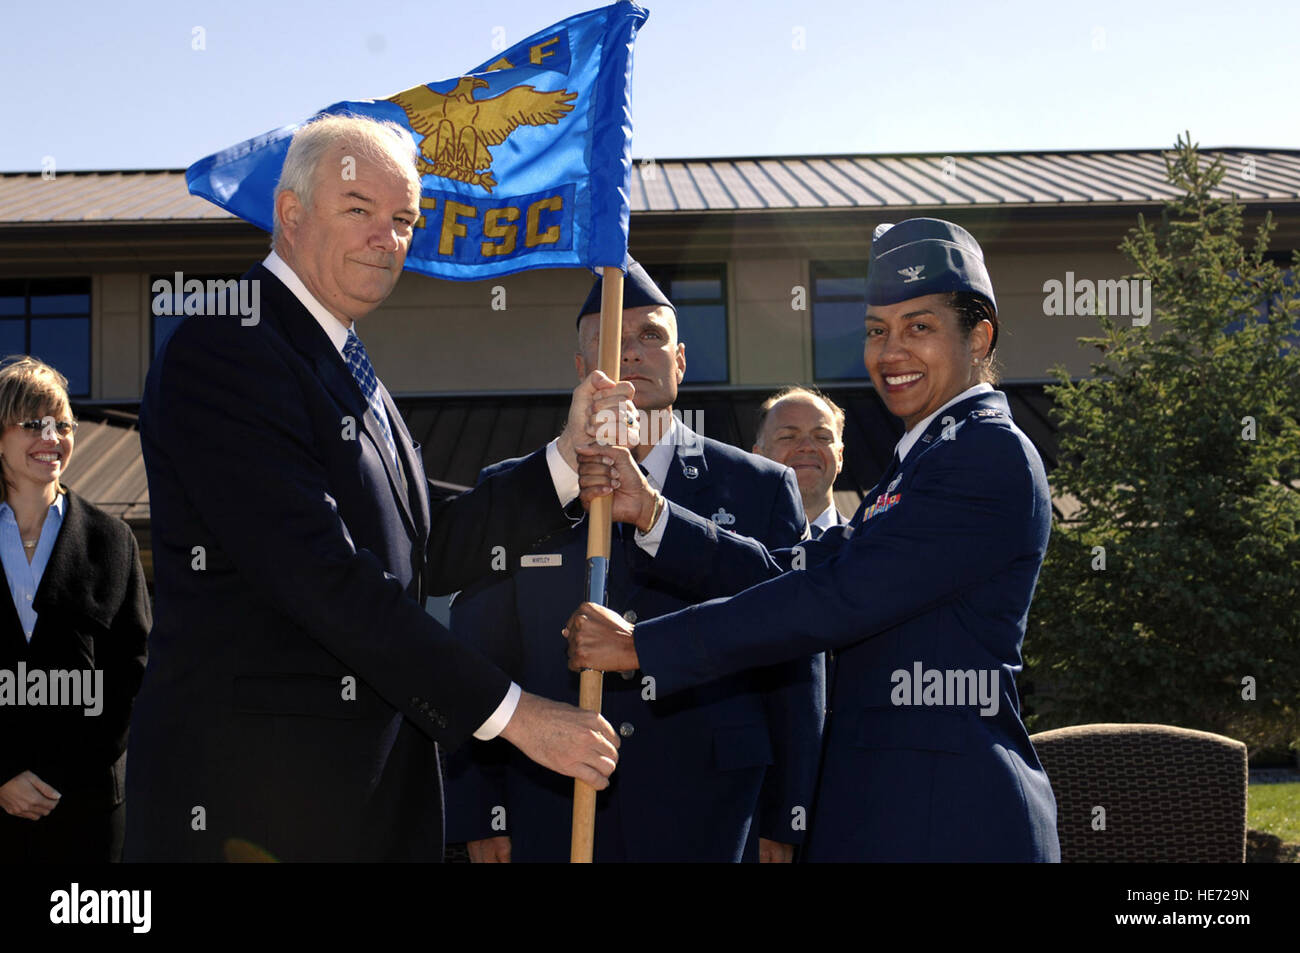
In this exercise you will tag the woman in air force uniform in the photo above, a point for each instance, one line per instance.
(924, 594)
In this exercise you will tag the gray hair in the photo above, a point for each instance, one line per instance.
(375, 140)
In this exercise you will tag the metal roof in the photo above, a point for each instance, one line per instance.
(107, 467)
(1114, 177)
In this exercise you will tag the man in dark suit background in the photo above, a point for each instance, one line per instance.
(804, 429)
(725, 773)
(296, 688)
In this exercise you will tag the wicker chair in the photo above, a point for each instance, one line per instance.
(1169, 794)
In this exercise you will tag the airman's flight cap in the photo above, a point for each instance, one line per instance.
(922, 256)
(638, 291)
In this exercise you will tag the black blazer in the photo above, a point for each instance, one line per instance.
(296, 685)
(92, 613)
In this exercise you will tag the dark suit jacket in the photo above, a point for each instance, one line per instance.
(700, 774)
(296, 685)
(938, 568)
(93, 613)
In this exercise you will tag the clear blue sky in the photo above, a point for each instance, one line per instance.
(116, 86)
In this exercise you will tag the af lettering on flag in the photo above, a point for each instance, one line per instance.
(524, 161)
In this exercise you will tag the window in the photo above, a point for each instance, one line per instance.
(700, 294)
(164, 324)
(838, 308)
(49, 318)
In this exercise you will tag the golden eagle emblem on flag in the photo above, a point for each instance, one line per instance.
(458, 129)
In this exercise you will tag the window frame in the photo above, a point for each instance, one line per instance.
(834, 268)
(28, 316)
(667, 274)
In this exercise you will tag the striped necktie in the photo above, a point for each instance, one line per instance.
(354, 353)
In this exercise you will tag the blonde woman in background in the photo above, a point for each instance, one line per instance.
(77, 605)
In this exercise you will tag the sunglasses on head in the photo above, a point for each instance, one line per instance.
(63, 427)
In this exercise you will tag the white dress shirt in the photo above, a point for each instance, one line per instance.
(338, 335)
(656, 464)
(825, 520)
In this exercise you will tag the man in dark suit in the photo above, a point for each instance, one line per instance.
(724, 773)
(297, 689)
(804, 429)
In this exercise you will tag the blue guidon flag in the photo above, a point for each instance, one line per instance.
(524, 161)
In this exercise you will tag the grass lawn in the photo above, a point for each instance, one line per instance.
(1275, 808)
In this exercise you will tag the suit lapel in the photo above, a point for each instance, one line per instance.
(15, 643)
(64, 589)
(687, 481)
(688, 473)
(306, 334)
(988, 404)
(417, 491)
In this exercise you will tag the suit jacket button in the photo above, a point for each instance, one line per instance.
(630, 616)
(627, 676)
(626, 729)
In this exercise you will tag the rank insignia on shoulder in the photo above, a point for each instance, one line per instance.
(723, 518)
(986, 412)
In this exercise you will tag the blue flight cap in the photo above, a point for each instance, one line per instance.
(923, 256)
(638, 291)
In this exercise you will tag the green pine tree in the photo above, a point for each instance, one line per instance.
(1183, 454)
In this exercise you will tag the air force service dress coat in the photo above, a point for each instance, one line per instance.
(934, 574)
(700, 773)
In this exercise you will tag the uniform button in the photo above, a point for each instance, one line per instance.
(29, 598)
(630, 615)
(626, 729)
(627, 676)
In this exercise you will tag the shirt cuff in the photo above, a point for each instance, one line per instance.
(501, 717)
(649, 542)
(562, 475)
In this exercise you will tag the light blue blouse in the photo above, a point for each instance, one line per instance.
(25, 577)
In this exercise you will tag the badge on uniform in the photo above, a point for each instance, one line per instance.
(884, 502)
(893, 484)
(541, 559)
(690, 472)
(723, 518)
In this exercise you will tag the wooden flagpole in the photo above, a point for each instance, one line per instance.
(599, 524)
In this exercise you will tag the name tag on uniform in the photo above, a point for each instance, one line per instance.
(541, 559)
